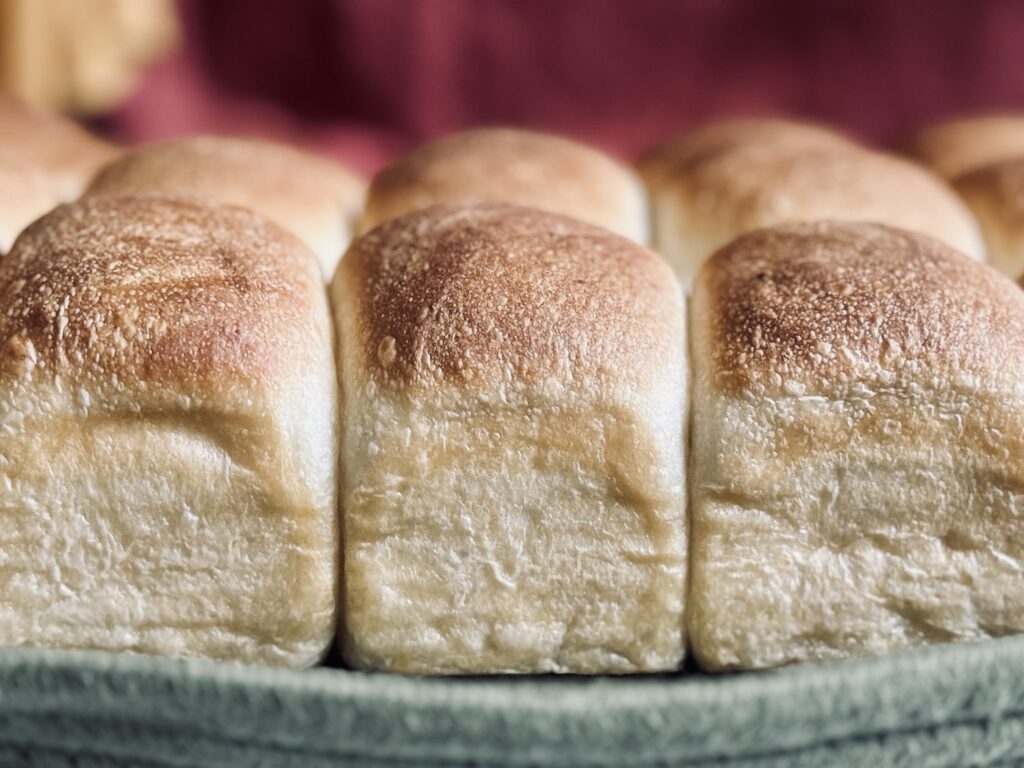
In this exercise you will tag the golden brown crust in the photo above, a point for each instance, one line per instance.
(690, 148)
(820, 306)
(509, 166)
(479, 293)
(150, 289)
(53, 144)
(959, 146)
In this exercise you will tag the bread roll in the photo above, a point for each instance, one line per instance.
(44, 160)
(995, 194)
(512, 166)
(311, 196)
(657, 164)
(168, 443)
(706, 193)
(858, 447)
(53, 145)
(512, 452)
(25, 195)
(958, 146)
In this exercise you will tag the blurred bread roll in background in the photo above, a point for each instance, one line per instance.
(25, 194)
(516, 166)
(513, 473)
(858, 447)
(312, 196)
(958, 146)
(82, 56)
(67, 154)
(995, 193)
(710, 188)
(657, 164)
(169, 446)
(59, 147)
(45, 159)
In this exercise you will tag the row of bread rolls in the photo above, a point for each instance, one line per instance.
(704, 187)
(537, 467)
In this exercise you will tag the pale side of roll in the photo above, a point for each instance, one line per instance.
(509, 165)
(706, 192)
(858, 447)
(512, 452)
(311, 196)
(168, 452)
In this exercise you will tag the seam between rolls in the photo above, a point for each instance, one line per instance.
(688, 468)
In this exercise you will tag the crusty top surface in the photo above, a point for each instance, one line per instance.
(691, 147)
(124, 290)
(49, 141)
(825, 304)
(504, 165)
(490, 293)
(254, 173)
(959, 146)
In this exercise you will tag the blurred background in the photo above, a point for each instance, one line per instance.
(365, 79)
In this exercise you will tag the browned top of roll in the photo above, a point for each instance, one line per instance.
(828, 304)
(958, 146)
(510, 166)
(52, 143)
(689, 147)
(125, 290)
(487, 293)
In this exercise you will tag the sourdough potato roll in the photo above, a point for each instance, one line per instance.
(167, 435)
(995, 194)
(311, 196)
(958, 146)
(514, 395)
(858, 447)
(656, 165)
(508, 165)
(706, 195)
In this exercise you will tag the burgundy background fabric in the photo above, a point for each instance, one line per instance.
(364, 79)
